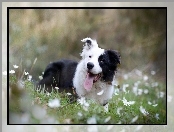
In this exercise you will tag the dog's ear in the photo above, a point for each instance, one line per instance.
(114, 57)
(89, 43)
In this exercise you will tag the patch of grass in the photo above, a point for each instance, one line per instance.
(146, 94)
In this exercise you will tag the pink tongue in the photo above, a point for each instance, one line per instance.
(88, 82)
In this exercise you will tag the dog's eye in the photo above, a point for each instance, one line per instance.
(101, 61)
(90, 56)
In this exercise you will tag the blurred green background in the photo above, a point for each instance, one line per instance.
(52, 34)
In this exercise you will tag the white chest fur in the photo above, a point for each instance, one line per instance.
(101, 91)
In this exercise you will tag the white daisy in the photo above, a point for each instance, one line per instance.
(157, 116)
(29, 77)
(11, 71)
(125, 86)
(54, 103)
(40, 77)
(143, 111)
(91, 120)
(149, 103)
(56, 87)
(26, 73)
(69, 94)
(118, 110)
(146, 91)
(15, 66)
(79, 114)
(134, 119)
(125, 76)
(145, 78)
(128, 102)
(107, 119)
(153, 72)
(154, 105)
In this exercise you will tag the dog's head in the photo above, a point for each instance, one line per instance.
(98, 63)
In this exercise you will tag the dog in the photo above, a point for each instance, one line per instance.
(92, 77)
(95, 73)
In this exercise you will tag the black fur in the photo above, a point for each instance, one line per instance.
(108, 62)
(59, 74)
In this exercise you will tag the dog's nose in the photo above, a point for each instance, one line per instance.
(90, 65)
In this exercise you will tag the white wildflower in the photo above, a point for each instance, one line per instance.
(85, 108)
(15, 66)
(169, 98)
(48, 94)
(125, 86)
(160, 94)
(155, 84)
(145, 78)
(135, 90)
(54, 103)
(118, 110)
(138, 72)
(149, 103)
(57, 88)
(154, 105)
(128, 102)
(146, 91)
(140, 91)
(91, 120)
(153, 72)
(147, 84)
(134, 119)
(107, 119)
(100, 93)
(79, 114)
(26, 73)
(137, 83)
(4, 72)
(40, 77)
(11, 71)
(116, 91)
(21, 84)
(83, 102)
(138, 127)
(157, 116)
(29, 77)
(143, 111)
(125, 76)
(69, 94)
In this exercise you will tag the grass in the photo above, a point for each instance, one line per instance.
(150, 96)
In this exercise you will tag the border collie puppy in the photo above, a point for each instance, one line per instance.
(95, 73)
(92, 77)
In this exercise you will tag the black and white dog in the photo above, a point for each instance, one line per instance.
(92, 77)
